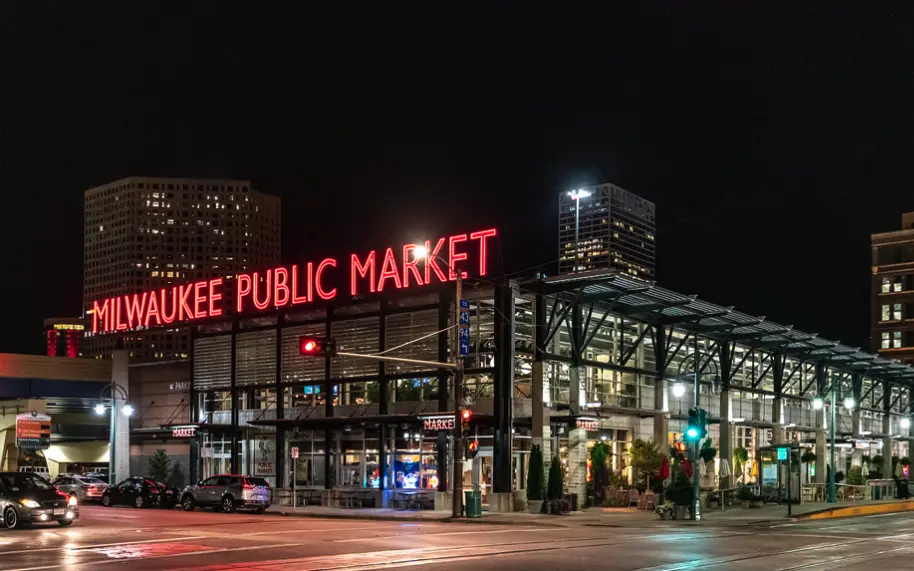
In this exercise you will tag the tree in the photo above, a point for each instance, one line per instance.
(556, 480)
(599, 471)
(645, 461)
(535, 484)
(740, 457)
(158, 465)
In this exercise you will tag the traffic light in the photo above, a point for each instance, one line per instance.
(465, 416)
(697, 427)
(472, 449)
(316, 347)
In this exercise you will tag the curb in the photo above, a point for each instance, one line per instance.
(854, 511)
(448, 519)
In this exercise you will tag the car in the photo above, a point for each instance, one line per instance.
(136, 491)
(26, 498)
(168, 495)
(227, 493)
(83, 487)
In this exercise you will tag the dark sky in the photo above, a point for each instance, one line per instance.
(773, 141)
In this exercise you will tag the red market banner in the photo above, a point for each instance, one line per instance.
(299, 284)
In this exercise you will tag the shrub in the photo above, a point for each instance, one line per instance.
(599, 471)
(556, 480)
(680, 490)
(158, 465)
(855, 476)
(535, 476)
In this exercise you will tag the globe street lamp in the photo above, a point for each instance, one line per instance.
(114, 392)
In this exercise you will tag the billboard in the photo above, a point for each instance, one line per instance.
(33, 431)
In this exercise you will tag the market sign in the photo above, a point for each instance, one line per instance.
(184, 432)
(33, 431)
(288, 286)
(589, 424)
(434, 423)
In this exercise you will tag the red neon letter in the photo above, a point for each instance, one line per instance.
(117, 314)
(242, 289)
(317, 279)
(266, 302)
(280, 287)
(363, 270)
(410, 266)
(214, 296)
(431, 257)
(153, 309)
(199, 300)
(184, 309)
(454, 256)
(136, 306)
(483, 255)
(389, 270)
(296, 299)
(174, 306)
(98, 313)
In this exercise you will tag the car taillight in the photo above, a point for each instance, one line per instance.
(247, 485)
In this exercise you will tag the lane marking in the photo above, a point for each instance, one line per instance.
(412, 534)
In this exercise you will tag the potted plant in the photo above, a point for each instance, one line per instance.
(757, 501)
(664, 510)
(745, 495)
(535, 483)
(556, 486)
(740, 457)
(808, 457)
(680, 493)
(599, 472)
(707, 452)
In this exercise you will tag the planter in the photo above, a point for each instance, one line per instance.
(746, 504)
(712, 504)
(665, 515)
(535, 506)
(757, 504)
(682, 512)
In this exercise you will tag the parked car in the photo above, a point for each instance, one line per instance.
(137, 492)
(83, 487)
(227, 493)
(168, 495)
(26, 497)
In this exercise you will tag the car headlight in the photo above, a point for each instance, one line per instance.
(30, 503)
(73, 501)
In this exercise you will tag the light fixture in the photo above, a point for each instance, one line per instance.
(678, 390)
(99, 408)
(818, 403)
(905, 423)
(127, 410)
(849, 403)
(420, 253)
(791, 425)
(738, 420)
(578, 194)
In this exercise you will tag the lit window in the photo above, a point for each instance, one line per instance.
(886, 285)
(885, 340)
(896, 311)
(896, 339)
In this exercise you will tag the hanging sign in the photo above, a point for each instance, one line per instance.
(184, 432)
(33, 431)
(589, 424)
(434, 423)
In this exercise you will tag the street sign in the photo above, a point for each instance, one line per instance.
(464, 349)
(782, 454)
(465, 304)
(465, 334)
(463, 328)
(295, 452)
(33, 431)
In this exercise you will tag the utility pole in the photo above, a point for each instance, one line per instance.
(832, 493)
(696, 489)
(457, 478)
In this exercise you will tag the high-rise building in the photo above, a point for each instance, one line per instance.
(892, 292)
(604, 227)
(64, 336)
(143, 233)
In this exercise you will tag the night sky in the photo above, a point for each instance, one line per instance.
(772, 142)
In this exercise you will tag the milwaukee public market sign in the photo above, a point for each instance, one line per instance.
(299, 284)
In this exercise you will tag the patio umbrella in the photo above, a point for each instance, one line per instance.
(724, 468)
(865, 470)
(899, 471)
(664, 468)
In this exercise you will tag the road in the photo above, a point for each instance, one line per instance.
(116, 539)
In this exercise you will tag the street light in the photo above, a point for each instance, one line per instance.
(576, 196)
(127, 410)
(678, 390)
(115, 393)
(905, 423)
(99, 409)
(818, 403)
(849, 403)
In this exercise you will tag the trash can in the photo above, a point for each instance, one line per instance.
(473, 503)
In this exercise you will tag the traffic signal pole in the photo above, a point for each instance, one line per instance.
(457, 478)
(696, 490)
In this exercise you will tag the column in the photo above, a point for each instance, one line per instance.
(445, 309)
(725, 446)
(577, 464)
(504, 389)
(661, 415)
(282, 451)
(821, 441)
(886, 429)
(120, 378)
(575, 395)
(233, 461)
(777, 407)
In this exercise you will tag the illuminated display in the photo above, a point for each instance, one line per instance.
(371, 272)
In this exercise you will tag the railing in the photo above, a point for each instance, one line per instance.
(843, 493)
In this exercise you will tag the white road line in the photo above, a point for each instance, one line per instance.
(481, 531)
(95, 546)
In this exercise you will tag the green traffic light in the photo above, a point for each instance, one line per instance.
(692, 432)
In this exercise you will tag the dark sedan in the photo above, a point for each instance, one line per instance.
(168, 495)
(29, 498)
(137, 492)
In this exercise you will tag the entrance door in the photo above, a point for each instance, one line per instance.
(477, 474)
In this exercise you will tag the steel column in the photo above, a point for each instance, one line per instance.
(504, 388)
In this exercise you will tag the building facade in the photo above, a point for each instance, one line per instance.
(605, 227)
(64, 336)
(892, 292)
(145, 233)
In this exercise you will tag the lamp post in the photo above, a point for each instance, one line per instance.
(576, 196)
(114, 392)
(457, 456)
(817, 404)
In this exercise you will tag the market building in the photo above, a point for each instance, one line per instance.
(563, 362)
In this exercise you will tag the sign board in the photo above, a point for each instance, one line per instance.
(33, 431)
(295, 452)
(463, 327)
(782, 454)
(861, 445)
(589, 424)
(179, 386)
(298, 284)
(438, 423)
(183, 431)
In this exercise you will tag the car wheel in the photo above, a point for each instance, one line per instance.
(11, 518)
(64, 522)
(187, 502)
(106, 501)
(228, 504)
(139, 502)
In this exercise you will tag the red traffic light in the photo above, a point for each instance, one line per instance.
(466, 414)
(316, 347)
(309, 346)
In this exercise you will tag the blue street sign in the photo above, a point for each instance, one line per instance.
(464, 304)
(782, 454)
(464, 348)
(464, 333)
(464, 317)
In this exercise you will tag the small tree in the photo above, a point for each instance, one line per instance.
(646, 459)
(740, 457)
(158, 465)
(535, 484)
(599, 471)
(556, 480)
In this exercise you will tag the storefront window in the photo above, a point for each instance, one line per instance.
(417, 389)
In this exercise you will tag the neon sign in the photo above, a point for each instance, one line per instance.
(298, 284)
